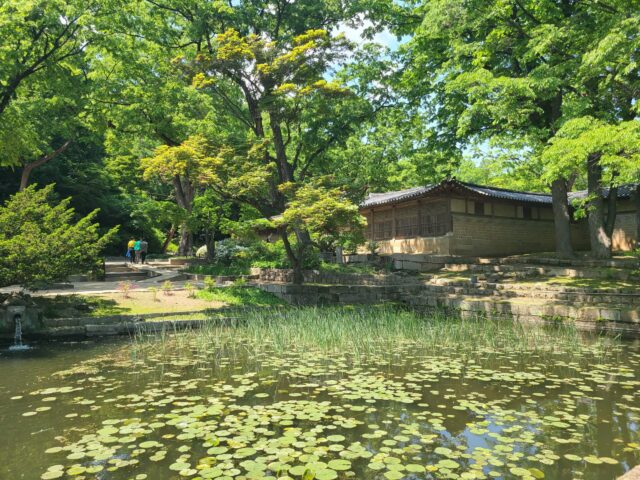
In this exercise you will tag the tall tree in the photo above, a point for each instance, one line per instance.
(513, 72)
(144, 102)
(271, 67)
(611, 156)
(42, 55)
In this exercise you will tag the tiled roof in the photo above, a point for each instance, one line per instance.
(387, 198)
(392, 197)
(378, 199)
(624, 192)
(505, 194)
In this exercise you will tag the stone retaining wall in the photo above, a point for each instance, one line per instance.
(614, 317)
(338, 294)
(429, 262)
(537, 291)
(278, 275)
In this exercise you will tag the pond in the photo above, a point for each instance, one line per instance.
(325, 394)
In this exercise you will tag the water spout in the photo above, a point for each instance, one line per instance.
(17, 337)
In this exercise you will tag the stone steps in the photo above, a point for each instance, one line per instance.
(591, 317)
(122, 328)
(528, 271)
(539, 292)
(120, 276)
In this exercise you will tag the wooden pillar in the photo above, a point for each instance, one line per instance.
(373, 225)
(393, 222)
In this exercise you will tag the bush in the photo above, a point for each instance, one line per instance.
(235, 257)
(41, 241)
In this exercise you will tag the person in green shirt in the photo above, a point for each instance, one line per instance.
(136, 250)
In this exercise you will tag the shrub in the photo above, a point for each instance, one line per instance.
(154, 293)
(191, 289)
(167, 287)
(125, 288)
(41, 241)
(209, 283)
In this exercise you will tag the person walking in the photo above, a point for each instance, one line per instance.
(130, 252)
(144, 247)
(136, 250)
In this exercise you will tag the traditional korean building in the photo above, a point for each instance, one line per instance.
(459, 218)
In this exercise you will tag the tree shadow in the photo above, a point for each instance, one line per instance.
(62, 306)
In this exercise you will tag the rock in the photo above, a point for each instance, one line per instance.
(631, 474)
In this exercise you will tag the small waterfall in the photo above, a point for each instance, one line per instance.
(17, 338)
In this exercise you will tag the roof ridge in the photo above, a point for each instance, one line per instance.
(501, 188)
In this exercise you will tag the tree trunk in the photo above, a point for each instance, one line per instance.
(600, 241)
(561, 218)
(612, 211)
(210, 242)
(31, 166)
(184, 197)
(186, 241)
(167, 241)
(636, 200)
(294, 260)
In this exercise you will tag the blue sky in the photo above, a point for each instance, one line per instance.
(384, 38)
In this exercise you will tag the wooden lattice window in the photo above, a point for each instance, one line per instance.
(408, 222)
(382, 225)
(435, 219)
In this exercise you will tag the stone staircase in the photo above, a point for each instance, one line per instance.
(121, 271)
(614, 309)
(116, 324)
(520, 288)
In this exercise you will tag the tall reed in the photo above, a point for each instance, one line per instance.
(359, 331)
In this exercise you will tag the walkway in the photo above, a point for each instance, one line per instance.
(159, 273)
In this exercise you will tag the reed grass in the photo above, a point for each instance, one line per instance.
(363, 330)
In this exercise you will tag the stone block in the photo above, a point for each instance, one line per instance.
(631, 474)
(609, 314)
(103, 330)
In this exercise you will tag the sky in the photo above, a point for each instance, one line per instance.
(384, 38)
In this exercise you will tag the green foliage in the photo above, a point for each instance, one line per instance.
(512, 73)
(325, 212)
(616, 145)
(43, 83)
(240, 296)
(40, 241)
(237, 257)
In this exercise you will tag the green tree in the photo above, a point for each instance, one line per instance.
(269, 67)
(326, 213)
(43, 77)
(211, 215)
(513, 72)
(145, 101)
(189, 168)
(611, 154)
(41, 241)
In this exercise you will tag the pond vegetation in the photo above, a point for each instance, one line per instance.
(328, 393)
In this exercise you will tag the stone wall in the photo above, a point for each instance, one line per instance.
(486, 235)
(338, 294)
(585, 309)
(12, 305)
(625, 232)
(278, 275)
(431, 245)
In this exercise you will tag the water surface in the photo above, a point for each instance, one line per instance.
(97, 411)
